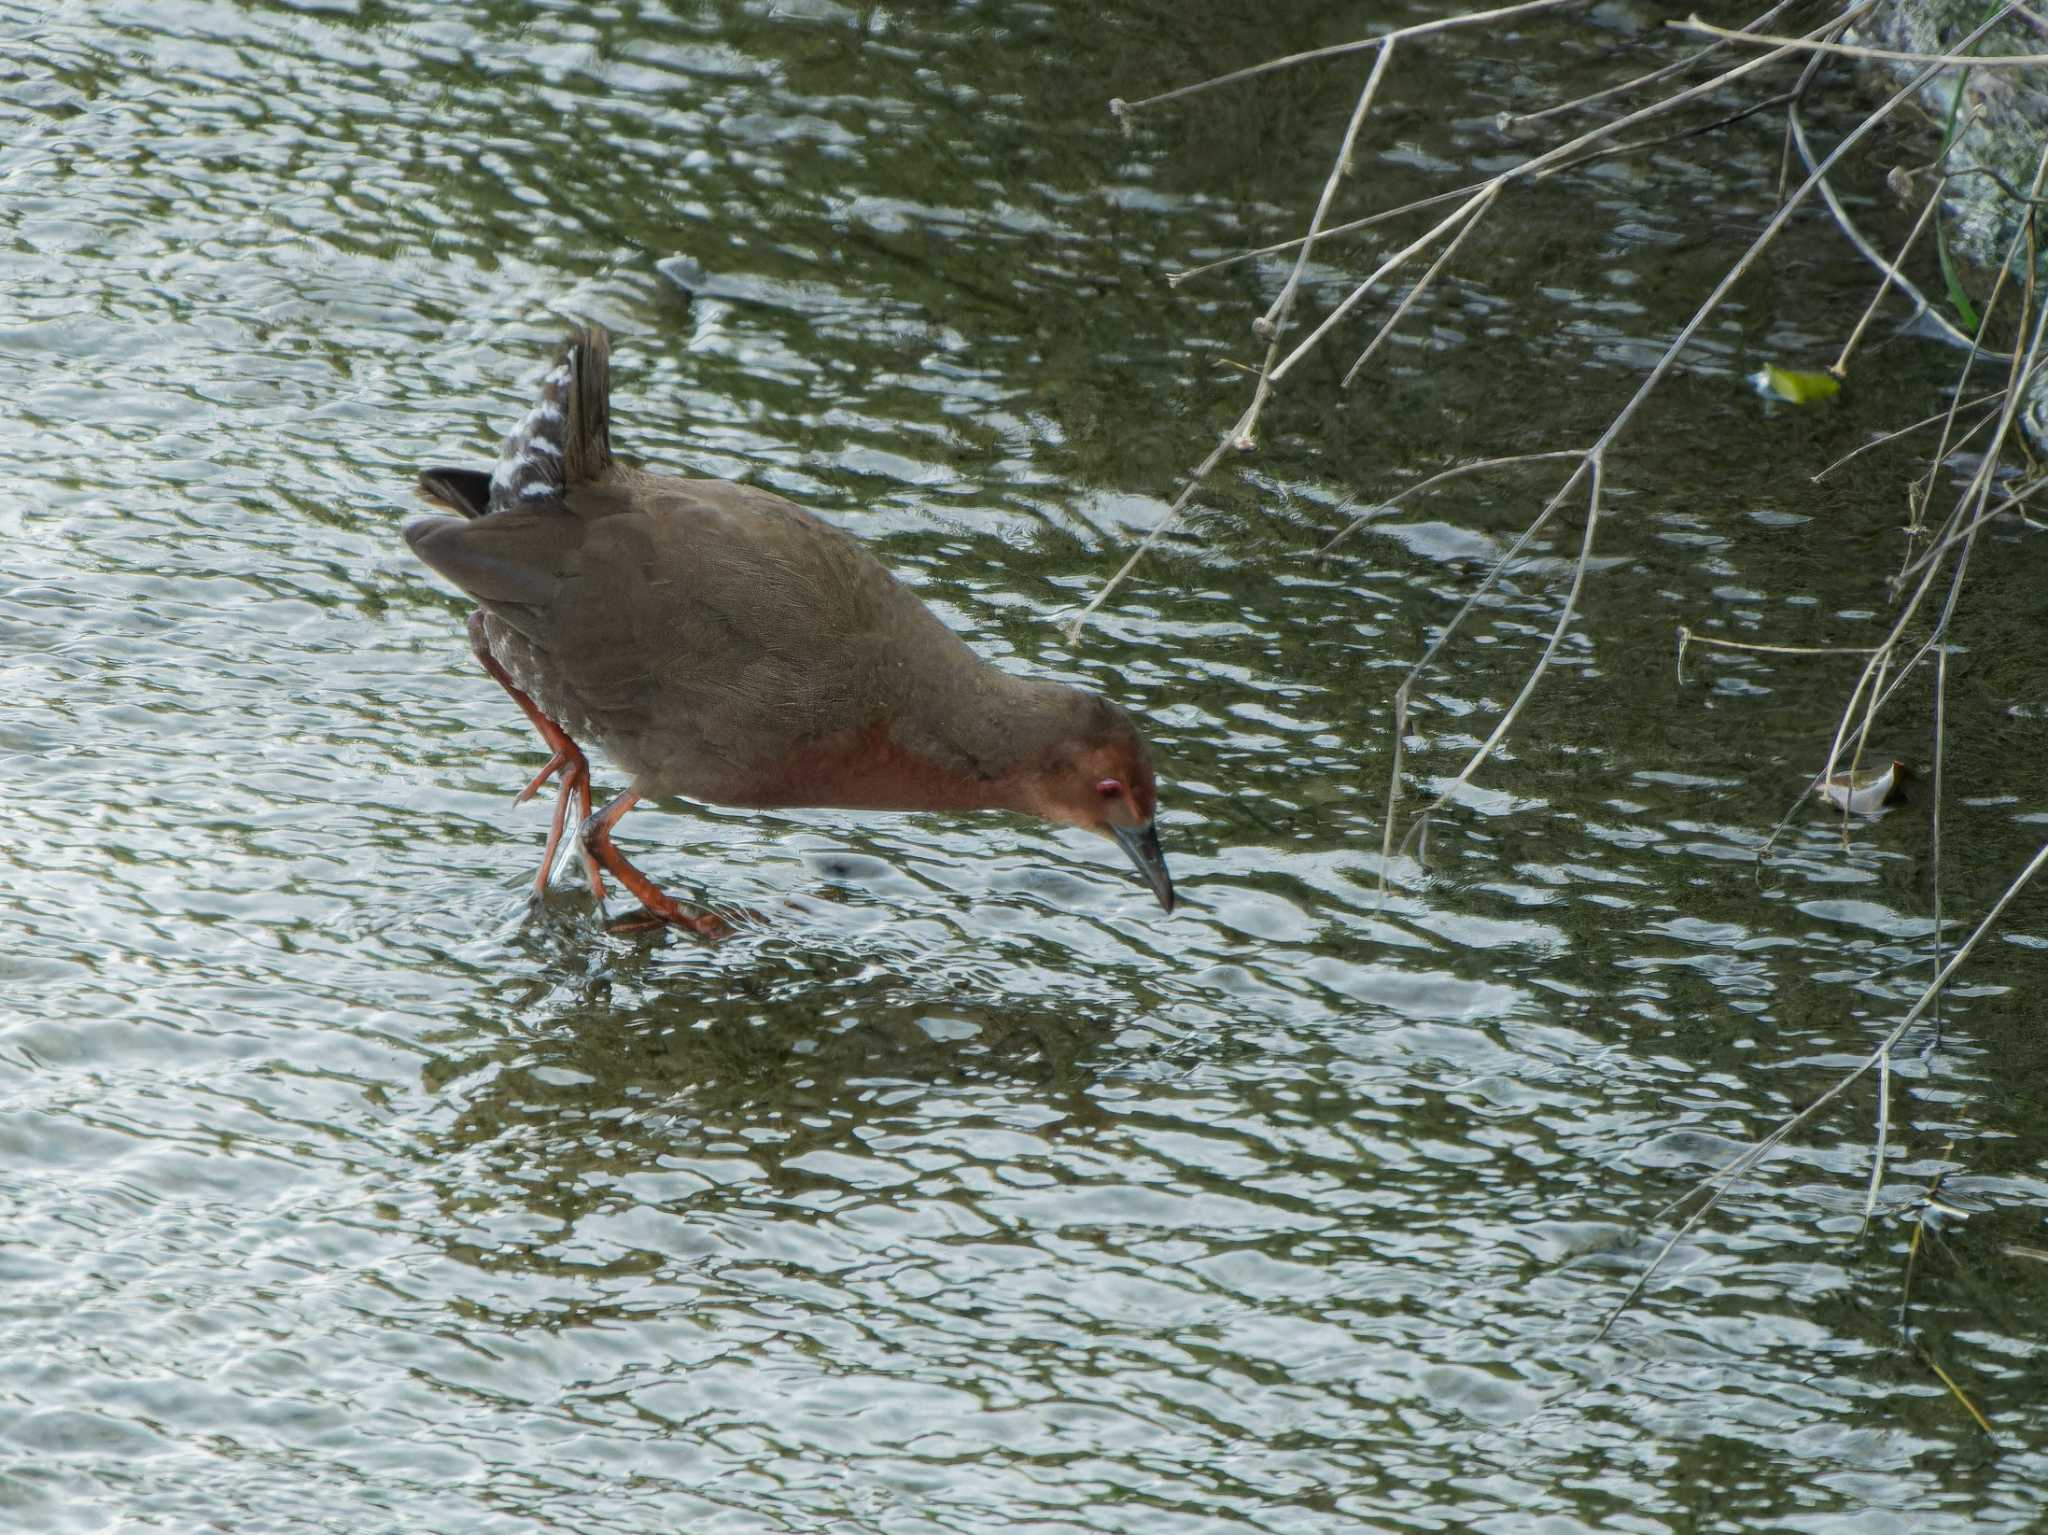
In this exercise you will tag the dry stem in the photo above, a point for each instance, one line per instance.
(1965, 521)
(1242, 435)
(1748, 1161)
(1924, 422)
(1694, 25)
(1924, 309)
(1840, 366)
(1456, 472)
(1123, 110)
(1683, 66)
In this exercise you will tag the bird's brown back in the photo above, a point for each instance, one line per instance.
(721, 642)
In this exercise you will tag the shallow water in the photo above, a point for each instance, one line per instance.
(346, 1189)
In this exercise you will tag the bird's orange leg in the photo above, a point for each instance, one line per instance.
(594, 836)
(568, 760)
(575, 770)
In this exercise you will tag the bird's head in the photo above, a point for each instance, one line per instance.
(1097, 774)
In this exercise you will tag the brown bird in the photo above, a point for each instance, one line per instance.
(725, 645)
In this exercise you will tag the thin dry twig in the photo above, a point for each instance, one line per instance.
(1947, 541)
(1455, 472)
(1856, 738)
(1954, 1390)
(1568, 156)
(1415, 673)
(1840, 366)
(1415, 291)
(2012, 192)
(1726, 1178)
(1622, 418)
(1939, 749)
(1682, 66)
(1123, 110)
(1688, 637)
(1385, 215)
(2022, 366)
(1240, 436)
(1694, 25)
(1921, 425)
(1595, 468)
(1884, 1125)
(2017, 368)
(1473, 208)
(1922, 1235)
(1268, 324)
(1541, 167)
(1924, 308)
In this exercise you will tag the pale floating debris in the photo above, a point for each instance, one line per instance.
(1864, 791)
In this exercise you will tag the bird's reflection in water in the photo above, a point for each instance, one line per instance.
(614, 1080)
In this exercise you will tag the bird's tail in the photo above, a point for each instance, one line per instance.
(566, 438)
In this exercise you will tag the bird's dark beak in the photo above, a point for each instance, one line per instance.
(1142, 843)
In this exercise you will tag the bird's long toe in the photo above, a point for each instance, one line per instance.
(594, 836)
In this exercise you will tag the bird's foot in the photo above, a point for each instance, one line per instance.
(560, 760)
(574, 767)
(708, 925)
(594, 836)
(568, 760)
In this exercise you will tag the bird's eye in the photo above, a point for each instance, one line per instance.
(1109, 788)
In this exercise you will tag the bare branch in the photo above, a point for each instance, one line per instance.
(1437, 479)
(1123, 110)
(1456, 194)
(1656, 376)
(1920, 425)
(1594, 463)
(1948, 541)
(1700, 28)
(1683, 66)
(1415, 291)
(1268, 325)
(2022, 367)
(1472, 209)
(1746, 1163)
(1924, 308)
(1840, 366)
(1552, 162)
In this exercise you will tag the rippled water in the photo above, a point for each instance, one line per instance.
(346, 1190)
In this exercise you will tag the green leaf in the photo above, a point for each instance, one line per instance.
(1778, 383)
(1953, 281)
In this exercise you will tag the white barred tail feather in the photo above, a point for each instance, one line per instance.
(565, 439)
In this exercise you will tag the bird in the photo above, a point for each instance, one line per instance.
(722, 644)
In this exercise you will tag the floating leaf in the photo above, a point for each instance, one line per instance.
(1776, 383)
(1865, 790)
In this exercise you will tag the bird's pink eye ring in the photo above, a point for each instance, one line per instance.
(1109, 788)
